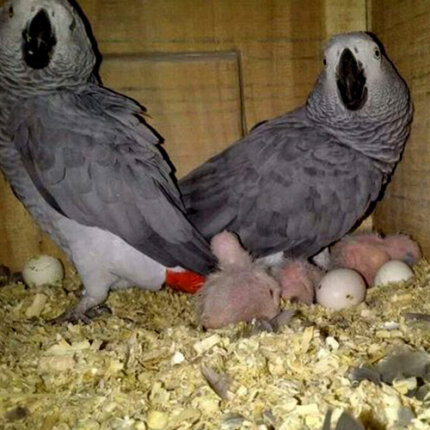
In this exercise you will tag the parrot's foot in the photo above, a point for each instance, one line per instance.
(186, 281)
(98, 311)
(274, 325)
(86, 309)
(75, 315)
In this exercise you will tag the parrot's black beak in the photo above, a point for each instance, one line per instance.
(39, 41)
(351, 81)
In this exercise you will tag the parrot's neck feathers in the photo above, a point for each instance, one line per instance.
(21, 89)
(380, 138)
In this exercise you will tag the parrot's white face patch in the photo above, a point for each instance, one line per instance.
(358, 90)
(354, 67)
(352, 62)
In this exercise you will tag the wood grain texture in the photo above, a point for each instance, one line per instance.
(193, 100)
(404, 28)
(279, 41)
(199, 105)
(343, 16)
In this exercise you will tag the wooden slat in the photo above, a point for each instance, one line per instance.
(404, 28)
(344, 16)
(278, 41)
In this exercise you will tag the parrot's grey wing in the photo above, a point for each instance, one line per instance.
(284, 187)
(95, 161)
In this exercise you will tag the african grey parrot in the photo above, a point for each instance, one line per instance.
(81, 159)
(299, 182)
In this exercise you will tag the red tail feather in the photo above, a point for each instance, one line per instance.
(186, 282)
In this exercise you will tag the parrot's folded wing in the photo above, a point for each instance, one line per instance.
(286, 186)
(94, 160)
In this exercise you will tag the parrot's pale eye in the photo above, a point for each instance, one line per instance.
(72, 26)
(11, 12)
(377, 53)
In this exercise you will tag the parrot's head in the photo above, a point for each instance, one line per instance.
(44, 43)
(357, 78)
(358, 90)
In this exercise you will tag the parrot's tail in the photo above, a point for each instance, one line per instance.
(184, 281)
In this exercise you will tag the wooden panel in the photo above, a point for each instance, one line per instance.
(343, 16)
(279, 41)
(20, 237)
(193, 100)
(404, 28)
(278, 55)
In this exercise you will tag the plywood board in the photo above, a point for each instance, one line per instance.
(20, 237)
(404, 28)
(344, 16)
(278, 41)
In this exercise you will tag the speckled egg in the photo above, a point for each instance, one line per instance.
(393, 271)
(42, 269)
(340, 289)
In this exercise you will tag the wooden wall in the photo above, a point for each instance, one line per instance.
(206, 70)
(404, 27)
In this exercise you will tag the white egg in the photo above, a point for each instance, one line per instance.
(340, 289)
(42, 269)
(393, 271)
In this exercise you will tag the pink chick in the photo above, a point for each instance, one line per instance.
(298, 279)
(239, 291)
(402, 247)
(366, 253)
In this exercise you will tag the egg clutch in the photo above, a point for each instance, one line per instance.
(242, 289)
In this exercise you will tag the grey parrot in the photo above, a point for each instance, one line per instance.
(299, 182)
(82, 160)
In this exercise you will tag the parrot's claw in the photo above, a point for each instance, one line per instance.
(73, 317)
(76, 315)
(273, 325)
(98, 311)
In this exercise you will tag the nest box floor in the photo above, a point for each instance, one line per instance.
(143, 366)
